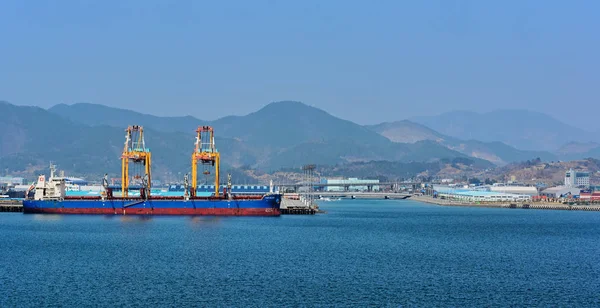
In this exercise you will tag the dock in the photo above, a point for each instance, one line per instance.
(291, 206)
(11, 206)
(288, 207)
(298, 211)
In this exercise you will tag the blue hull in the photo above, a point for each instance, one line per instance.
(267, 206)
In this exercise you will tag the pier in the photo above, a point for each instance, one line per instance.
(11, 206)
(298, 206)
(298, 211)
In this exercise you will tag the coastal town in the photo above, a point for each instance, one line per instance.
(577, 191)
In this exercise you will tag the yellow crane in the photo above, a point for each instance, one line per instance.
(135, 151)
(205, 152)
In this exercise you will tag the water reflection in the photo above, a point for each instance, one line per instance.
(47, 217)
(144, 218)
(198, 221)
(135, 218)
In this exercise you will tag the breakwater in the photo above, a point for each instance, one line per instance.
(509, 205)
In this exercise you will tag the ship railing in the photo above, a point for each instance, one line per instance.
(305, 201)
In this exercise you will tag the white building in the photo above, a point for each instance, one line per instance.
(350, 184)
(577, 178)
(466, 194)
(514, 189)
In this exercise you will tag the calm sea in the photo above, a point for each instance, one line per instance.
(378, 253)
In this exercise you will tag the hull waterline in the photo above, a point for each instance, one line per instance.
(267, 206)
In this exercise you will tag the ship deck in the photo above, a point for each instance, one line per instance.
(169, 198)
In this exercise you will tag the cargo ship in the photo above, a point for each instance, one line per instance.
(50, 195)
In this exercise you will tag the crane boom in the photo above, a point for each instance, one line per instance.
(205, 152)
(135, 151)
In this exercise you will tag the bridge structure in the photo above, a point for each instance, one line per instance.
(360, 195)
(392, 186)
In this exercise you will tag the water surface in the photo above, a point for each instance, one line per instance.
(381, 253)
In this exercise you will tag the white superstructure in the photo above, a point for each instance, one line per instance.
(52, 189)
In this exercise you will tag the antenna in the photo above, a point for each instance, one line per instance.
(52, 169)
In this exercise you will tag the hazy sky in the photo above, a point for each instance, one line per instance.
(366, 61)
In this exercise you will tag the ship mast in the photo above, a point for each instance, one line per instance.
(205, 152)
(52, 170)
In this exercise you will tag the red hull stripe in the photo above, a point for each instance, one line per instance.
(159, 211)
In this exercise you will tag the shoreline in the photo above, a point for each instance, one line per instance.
(515, 205)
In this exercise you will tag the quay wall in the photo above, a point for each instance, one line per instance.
(517, 205)
(11, 206)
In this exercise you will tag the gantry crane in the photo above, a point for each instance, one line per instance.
(205, 152)
(135, 151)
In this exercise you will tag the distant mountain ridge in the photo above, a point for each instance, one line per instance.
(35, 137)
(577, 147)
(279, 129)
(496, 152)
(87, 139)
(579, 150)
(406, 131)
(279, 135)
(522, 129)
(95, 115)
(289, 123)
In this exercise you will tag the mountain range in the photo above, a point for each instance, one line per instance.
(87, 139)
(281, 134)
(496, 152)
(522, 129)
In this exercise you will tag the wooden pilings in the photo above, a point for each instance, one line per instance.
(298, 211)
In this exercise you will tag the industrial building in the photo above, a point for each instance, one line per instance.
(560, 192)
(462, 194)
(350, 184)
(514, 189)
(577, 178)
(511, 189)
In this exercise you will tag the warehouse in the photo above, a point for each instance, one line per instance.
(484, 196)
(515, 189)
(560, 192)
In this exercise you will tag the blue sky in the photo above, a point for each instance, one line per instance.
(366, 61)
